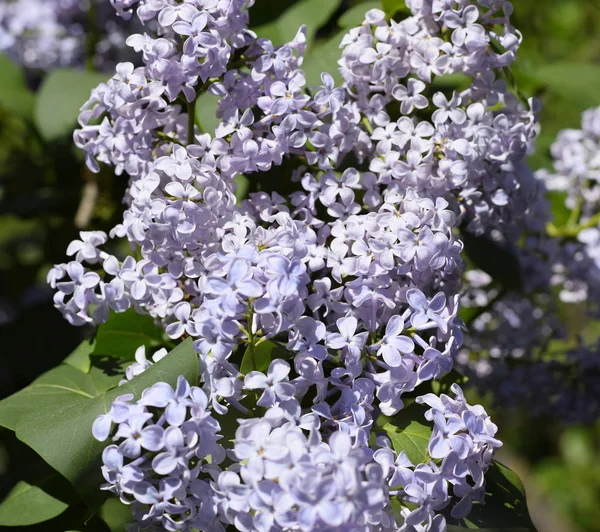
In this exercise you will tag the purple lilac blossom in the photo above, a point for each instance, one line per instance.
(357, 273)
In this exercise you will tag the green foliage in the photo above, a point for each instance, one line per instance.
(408, 432)
(59, 99)
(115, 514)
(319, 59)
(258, 358)
(80, 357)
(356, 14)
(123, 333)
(206, 112)
(393, 8)
(578, 82)
(14, 93)
(54, 415)
(312, 13)
(505, 507)
(571, 480)
(28, 505)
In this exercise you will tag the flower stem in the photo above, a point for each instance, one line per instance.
(191, 109)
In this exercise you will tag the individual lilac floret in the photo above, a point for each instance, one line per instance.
(141, 363)
(275, 384)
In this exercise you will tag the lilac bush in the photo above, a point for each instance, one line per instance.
(352, 280)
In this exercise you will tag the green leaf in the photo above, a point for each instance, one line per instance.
(80, 357)
(577, 82)
(60, 97)
(505, 508)
(312, 13)
(355, 16)
(206, 112)
(123, 333)
(115, 514)
(560, 212)
(264, 353)
(408, 432)
(15, 96)
(63, 404)
(323, 57)
(27, 505)
(60, 385)
(242, 184)
(395, 7)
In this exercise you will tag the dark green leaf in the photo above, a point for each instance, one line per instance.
(505, 507)
(62, 407)
(408, 432)
(60, 97)
(499, 262)
(15, 96)
(395, 7)
(123, 333)
(260, 358)
(27, 505)
(115, 514)
(312, 13)
(241, 188)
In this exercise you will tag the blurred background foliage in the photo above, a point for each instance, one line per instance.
(47, 196)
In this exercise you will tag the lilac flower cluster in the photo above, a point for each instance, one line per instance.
(290, 479)
(44, 34)
(357, 273)
(164, 456)
(576, 159)
(475, 141)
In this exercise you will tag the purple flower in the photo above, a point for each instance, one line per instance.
(348, 340)
(275, 385)
(394, 344)
(426, 311)
(162, 395)
(239, 282)
(138, 437)
(410, 96)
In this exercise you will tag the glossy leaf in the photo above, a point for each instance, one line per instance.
(27, 505)
(409, 432)
(80, 357)
(60, 97)
(505, 507)
(123, 333)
